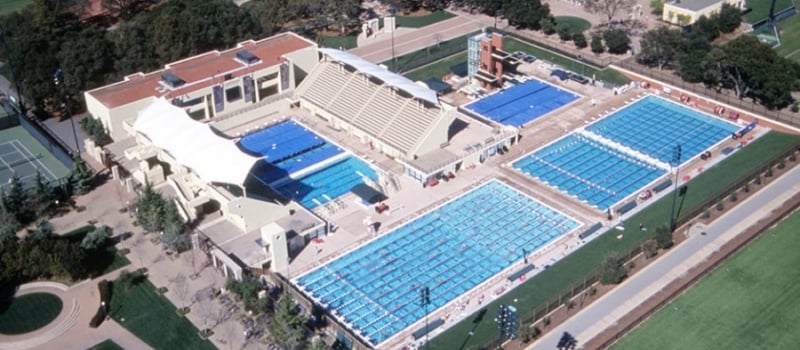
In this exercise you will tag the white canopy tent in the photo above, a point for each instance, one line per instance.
(193, 144)
(396, 80)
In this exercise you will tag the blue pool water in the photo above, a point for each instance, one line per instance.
(593, 172)
(654, 126)
(375, 288)
(332, 181)
(522, 103)
(287, 147)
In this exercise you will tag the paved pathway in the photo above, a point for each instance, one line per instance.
(605, 312)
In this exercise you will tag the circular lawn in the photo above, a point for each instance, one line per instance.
(576, 24)
(28, 312)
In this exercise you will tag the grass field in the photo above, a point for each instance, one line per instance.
(28, 312)
(408, 61)
(760, 9)
(421, 21)
(576, 24)
(347, 42)
(790, 35)
(749, 302)
(437, 69)
(108, 344)
(7, 6)
(152, 318)
(608, 75)
(571, 269)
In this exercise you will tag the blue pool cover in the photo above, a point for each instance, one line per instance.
(522, 103)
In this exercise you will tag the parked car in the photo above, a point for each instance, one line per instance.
(529, 58)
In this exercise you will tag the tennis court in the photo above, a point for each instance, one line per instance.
(23, 155)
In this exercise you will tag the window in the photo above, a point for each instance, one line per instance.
(233, 93)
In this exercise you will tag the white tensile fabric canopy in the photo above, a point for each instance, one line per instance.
(193, 144)
(384, 75)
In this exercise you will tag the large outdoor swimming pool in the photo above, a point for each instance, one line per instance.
(617, 156)
(375, 288)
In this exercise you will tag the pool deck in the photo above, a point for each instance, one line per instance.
(412, 200)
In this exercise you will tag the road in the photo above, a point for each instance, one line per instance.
(605, 312)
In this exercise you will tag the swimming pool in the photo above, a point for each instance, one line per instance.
(375, 288)
(589, 170)
(590, 164)
(522, 103)
(331, 181)
(654, 126)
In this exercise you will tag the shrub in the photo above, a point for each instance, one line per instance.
(591, 291)
(781, 164)
(569, 304)
(733, 197)
(162, 290)
(536, 332)
(548, 26)
(546, 321)
(650, 248)
(746, 188)
(757, 180)
(579, 39)
(564, 31)
(611, 269)
(720, 206)
(795, 107)
(768, 173)
(663, 237)
(597, 44)
(617, 41)
(706, 213)
(98, 317)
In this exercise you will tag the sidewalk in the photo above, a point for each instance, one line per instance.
(606, 311)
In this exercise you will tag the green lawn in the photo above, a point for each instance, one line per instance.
(408, 61)
(28, 312)
(437, 69)
(152, 318)
(760, 9)
(7, 6)
(347, 42)
(108, 344)
(608, 75)
(421, 21)
(576, 24)
(790, 34)
(572, 269)
(749, 302)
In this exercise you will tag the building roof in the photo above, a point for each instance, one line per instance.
(193, 144)
(694, 5)
(389, 78)
(200, 71)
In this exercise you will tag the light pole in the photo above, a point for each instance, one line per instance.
(676, 162)
(424, 301)
(58, 79)
(393, 10)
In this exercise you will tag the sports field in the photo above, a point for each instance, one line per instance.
(760, 9)
(790, 38)
(23, 155)
(749, 302)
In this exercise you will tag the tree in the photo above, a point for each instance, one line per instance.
(564, 31)
(548, 26)
(706, 27)
(149, 208)
(43, 231)
(14, 200)
(617, 41)
(80, 178)
(126, 9)
(97, 238)
(174, 234)
(611, 269)
(287, 324)
(597, 44)
(691, 66)
(730, 18)
(43, 195)
(181, 288)
(657, 7)
(607, 8)
(579, 39)
(661, 47)
(318, 344)
(526, 14)
(663, 237)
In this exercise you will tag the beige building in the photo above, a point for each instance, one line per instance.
(686, 12)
